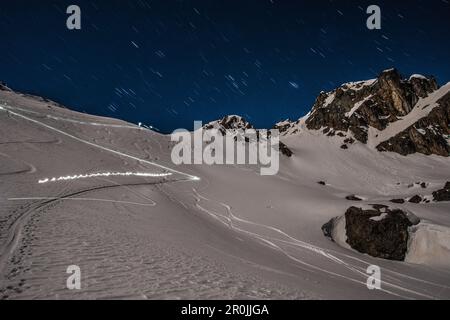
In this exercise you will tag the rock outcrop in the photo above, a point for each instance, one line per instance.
(284, 149)
(399, 201)
(233, 124)
(375, 103)
(353, 198)
(4, 87)
(287, 127)
(354, 109)
(380, 232)
(429, 135)
(229, 123)
(415, 199)
(442, 194)
(390, 113)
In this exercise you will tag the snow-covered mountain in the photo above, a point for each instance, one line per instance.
(235, 125)
(229, 123)
(388, 113)
(104, 194)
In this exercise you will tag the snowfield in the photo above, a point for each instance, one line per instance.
(430, 245)
(200, 232)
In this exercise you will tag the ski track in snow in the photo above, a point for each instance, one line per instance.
(29, 167)
(15, 230)
(85, 199)
(271, 242)
(230, 220)
(8, 109)
(97, 124)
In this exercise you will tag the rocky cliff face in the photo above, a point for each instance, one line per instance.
(442, 194)
(390, 113)
(287, 127)
(233, 123)
(375, 103)
(429, 135)
(355, 109)
(229, 123)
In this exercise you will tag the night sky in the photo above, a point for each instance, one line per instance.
(168, 63)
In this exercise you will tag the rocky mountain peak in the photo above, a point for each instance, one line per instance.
(286, 127)
(231, 122)
(235, 122)
(418, 84)
(4, 86)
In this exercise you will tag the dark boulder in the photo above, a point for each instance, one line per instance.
(353, 198)
(383, 237)
(379, 207)
(237, 125)
(327, 229)
(416, 199)
(442, 194)
(398, 201)
(349, 141)
(284, 149)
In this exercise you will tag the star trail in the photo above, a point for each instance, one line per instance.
(167, 63)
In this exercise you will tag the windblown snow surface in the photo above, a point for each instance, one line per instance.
(153, 230)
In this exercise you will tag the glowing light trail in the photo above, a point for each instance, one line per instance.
(105, 174)
(9, 108)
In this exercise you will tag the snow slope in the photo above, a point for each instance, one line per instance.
(212, 232)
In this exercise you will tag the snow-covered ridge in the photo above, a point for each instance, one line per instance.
(356, 86)
(329, 100)
(357, 106)
(353, 86)
(348, 86)
(288, 127)
(417, 76)
(231, 122)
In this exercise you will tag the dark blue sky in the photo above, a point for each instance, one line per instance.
(168, 63)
